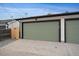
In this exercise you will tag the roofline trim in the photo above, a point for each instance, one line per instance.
(52, 15)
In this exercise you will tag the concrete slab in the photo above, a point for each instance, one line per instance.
(25, 47)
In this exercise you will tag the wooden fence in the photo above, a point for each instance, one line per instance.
(5, 34)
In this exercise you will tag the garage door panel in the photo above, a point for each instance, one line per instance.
(72, 31)
(42, 31)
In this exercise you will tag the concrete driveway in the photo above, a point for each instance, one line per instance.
(23, 47)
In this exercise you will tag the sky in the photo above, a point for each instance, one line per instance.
(22, 10)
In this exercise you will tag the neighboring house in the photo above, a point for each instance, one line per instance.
(9, 28)
(56, 27)
(5, 32)
(4, 24)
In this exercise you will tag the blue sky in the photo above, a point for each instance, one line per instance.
(19, 10)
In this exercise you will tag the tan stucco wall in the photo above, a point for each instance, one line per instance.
(14, 26)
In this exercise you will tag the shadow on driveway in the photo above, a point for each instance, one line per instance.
(6, 42)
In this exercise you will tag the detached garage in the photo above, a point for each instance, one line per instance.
(42, 30)
(62, 27)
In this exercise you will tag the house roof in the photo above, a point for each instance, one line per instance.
(50, 15)
(4, 21)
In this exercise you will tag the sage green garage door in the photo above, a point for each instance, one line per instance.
(41, 31)
(72, 31)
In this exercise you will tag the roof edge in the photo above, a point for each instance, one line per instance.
(51, 15)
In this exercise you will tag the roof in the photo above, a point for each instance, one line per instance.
(10, 22)
(4, 21)
(50, 15)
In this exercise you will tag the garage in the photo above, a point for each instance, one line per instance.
(42, 30)
(72, 30)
